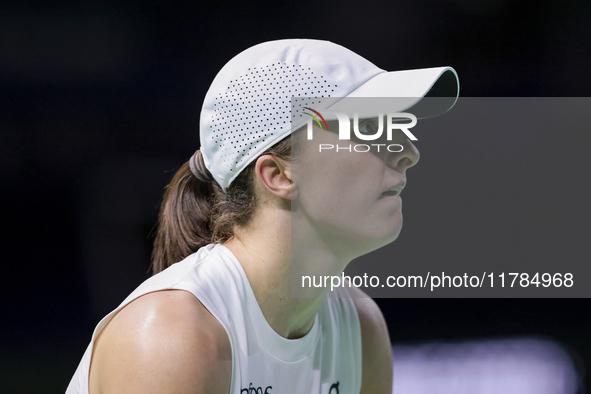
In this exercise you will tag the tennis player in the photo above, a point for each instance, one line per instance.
(217, 316)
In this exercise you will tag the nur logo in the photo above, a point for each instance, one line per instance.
(316, 119)
(345, 125)
(364, 130)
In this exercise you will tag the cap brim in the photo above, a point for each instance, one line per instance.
(424, 92)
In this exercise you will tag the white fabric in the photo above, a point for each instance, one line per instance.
(328, 356)
(247, 108)
(398, 91)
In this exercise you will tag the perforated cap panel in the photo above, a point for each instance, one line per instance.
(256, 106)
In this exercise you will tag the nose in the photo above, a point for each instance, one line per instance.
(408, 157)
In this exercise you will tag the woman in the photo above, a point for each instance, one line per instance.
(253, 205)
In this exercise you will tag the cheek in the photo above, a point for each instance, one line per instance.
(337, 184)
(339, 176)
(342, 192)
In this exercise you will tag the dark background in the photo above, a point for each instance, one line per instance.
(500, 188)
(99, 105)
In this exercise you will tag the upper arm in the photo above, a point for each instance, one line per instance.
(164, 341)
(377, 364)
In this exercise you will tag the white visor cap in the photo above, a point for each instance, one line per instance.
(248, 107)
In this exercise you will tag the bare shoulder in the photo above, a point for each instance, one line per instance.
(164, 341)
(377, 366)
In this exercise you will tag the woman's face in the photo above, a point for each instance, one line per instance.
(352, 199)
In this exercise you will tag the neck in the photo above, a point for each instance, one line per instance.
(268, 251)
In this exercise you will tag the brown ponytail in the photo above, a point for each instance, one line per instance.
(196, 212)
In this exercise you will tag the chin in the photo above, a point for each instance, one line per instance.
(390, 239)
(391, 234)
(379, 241)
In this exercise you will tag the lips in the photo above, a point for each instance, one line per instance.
(391, 193)
(394, 190)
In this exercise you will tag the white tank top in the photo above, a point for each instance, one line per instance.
(327, 360)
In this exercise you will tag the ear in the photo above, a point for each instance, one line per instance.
(275, 175)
